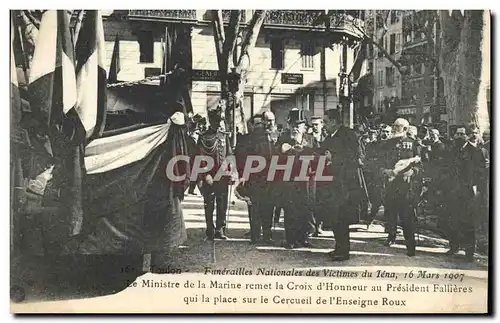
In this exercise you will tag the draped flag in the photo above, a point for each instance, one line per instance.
(109, 153)
(91, 75)
(131, 205)
(53, 89)
(115, 67)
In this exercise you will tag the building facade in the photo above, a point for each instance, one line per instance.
(295, 63)
(410, 37)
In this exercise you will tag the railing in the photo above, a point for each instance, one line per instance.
(292, 17)
(177, 14)
(226, 15)
(309, 19)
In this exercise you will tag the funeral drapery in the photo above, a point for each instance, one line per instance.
(130, 205)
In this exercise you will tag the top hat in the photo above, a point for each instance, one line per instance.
(296, 116)
(333, 114)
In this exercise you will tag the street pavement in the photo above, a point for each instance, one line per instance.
(367, 247)
(43, 279)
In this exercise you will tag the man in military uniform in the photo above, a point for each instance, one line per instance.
(399, 167)
(338, 200)
(215, 143)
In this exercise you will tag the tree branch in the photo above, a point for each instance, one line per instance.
(232, 35)
(380, 48)
(251, 35)
(219, 37)
(385, 20)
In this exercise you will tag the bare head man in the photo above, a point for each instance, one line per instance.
(412, 132)
(385, 133)
(400, 127)
(474, 134)
(317, 125)
(434, 134)
(269, 119)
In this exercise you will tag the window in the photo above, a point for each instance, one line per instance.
(369, 50)
(146, 47)
(398, 42)
(307, 52)
(381, 44)
(440, 90)
(380, 79)
(306, 101)
(394, 16)
(277, 54)
(370, 67)
(392, 44)
(418, 68)
(389, 76)
(408, 38)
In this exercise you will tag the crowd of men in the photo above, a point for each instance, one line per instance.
(389, 165)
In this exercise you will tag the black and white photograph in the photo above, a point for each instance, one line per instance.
(250, 161)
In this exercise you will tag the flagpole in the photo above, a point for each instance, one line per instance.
(21, 42)
(78, 26)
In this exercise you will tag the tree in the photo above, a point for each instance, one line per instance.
(227, 47)
(464, 62)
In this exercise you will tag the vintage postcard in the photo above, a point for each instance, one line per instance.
(250, 161)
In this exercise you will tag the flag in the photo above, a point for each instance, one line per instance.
(360, 66)
(53, 89)
(115, 67)
(52, 81)
(91, 75)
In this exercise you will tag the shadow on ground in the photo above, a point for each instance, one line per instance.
(81, 277)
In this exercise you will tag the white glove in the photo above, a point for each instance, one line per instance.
(285, 147)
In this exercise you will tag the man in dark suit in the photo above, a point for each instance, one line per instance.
(338, 200)
(294, 195)
(318, 136)
(260, 142)
(215, 143)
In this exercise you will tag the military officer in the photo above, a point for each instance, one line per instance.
(214, 142)
(399, 182)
